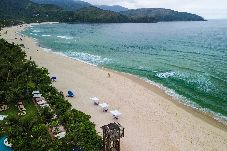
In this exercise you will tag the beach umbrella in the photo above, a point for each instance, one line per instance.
(96, 100)
(104, 106)
(115, 113)
(37, 95)
(35, 92)
(70, 93)
(53, 78)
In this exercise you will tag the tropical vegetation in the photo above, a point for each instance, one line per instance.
(161, 14)
(71, 5)
(18, 78)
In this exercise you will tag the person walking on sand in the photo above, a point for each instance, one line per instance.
(108, 75)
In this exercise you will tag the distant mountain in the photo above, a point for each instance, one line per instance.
(27, 11)
(161, 14)
(14, 11)
(96, 15)
(71, 5)
(114, 8)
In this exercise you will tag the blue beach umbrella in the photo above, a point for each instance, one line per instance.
(70, 93)
(53, 78)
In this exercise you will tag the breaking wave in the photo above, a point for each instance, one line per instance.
(65, 37)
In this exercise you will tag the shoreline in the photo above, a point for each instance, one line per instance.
(159, 93)
(205, 116)
(208, 116)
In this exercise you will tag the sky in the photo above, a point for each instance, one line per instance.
(209, 9)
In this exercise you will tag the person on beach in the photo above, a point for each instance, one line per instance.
(108, 75)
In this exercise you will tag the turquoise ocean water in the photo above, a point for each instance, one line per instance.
(187, 59)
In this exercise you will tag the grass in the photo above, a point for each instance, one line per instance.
(31, 111)
(13, 110)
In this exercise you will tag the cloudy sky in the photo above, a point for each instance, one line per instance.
(207, 8)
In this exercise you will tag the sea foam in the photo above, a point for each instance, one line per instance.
(181, 99)
(46, 49)
(36, 31)
(65, 37)
(46, 35)
(89, 58)
(166, 74)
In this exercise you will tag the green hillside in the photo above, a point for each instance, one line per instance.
(96, 15)
(27, 11)
(161, 14)
(18, 11)
(71, 5)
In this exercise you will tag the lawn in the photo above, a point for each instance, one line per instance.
(13, 110)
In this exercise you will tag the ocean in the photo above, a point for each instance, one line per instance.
(186, 59)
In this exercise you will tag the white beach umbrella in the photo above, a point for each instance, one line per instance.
(115, 113)
(95, 99)
(37, 95)
(35, 92)
(104, 105)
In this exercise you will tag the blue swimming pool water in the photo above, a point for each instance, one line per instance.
(2, 145)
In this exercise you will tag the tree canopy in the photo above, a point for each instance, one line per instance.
(18, 78)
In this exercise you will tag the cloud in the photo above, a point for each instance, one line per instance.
(205, 8)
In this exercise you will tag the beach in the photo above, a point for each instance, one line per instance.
(152, 120)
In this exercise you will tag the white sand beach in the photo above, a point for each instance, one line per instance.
(152, 120)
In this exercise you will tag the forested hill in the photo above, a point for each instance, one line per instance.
(114, 8)
(161, 14)
(71, 5)
(96, 15)
(27, 11)
(14, 11)
(138, 15)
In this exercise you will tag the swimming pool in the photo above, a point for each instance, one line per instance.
(2, 145)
